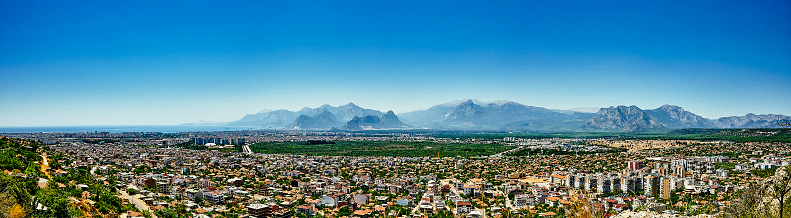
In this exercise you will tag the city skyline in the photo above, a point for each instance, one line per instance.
(159, 63)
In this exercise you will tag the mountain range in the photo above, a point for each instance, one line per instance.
(498, 116)
(388, 121)
(323, 120)
(285, 119)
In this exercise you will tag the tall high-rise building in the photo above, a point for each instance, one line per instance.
(651, 185)
(634, 165)
(665, 188)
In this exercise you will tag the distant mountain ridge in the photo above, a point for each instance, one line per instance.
(284, 118)
(387, 121)
(672, 116)
(500, 115)
(750, 121)
(323, 120)
(497, 115)
(632, 118)
(623, 118)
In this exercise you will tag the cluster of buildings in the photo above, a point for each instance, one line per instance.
(211, 182)
(219, 141)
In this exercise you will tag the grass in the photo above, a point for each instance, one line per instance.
(378, 148)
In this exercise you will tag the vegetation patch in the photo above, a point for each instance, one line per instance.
(533, 152)
(377, 148)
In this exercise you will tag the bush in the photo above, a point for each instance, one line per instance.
(131, 191)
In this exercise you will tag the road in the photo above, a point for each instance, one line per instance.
(444, 182)
(132, 199)
(44, 164)
(505, 152)
(137, 202)
(246, 149)
(508, 205)
(453, 189)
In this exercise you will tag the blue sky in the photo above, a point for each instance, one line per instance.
(170, 62)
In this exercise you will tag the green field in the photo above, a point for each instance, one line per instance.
(376, 148)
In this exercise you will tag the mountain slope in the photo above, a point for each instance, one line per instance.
(344, 112)
(675, 117)
(465, 111)
(282, 118)
(387, 121)
(271, 120)
(324, 120)
(750, 121)
(623, 118)
(497, 115)
(426, 117)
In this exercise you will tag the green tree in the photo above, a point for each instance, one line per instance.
(166, 213)
(55, 201)
(181, 209)
(344, 211)
(14, 191)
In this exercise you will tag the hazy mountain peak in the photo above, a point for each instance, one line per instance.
(623, 118)
(619, 109)
(501, 102)
(750, 120)
(370, 122)
(670, 107)
(454, 103)
(350, 105)
(323, 120)
(466, 103)
(672, 116)
(264, 111)
(585, 109)
(464, 111)
(477, 102)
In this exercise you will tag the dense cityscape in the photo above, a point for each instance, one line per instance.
(235, 174)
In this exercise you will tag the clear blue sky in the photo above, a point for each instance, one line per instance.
(170, 62)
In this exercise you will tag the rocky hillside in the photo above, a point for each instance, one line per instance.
(324, 120)
(496, 115)
(283, 118)
(623, 118)
(385, 122)
(750, 121)
(675, 117)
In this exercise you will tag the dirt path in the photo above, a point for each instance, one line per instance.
(45, 165)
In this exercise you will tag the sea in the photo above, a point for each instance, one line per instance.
(121, 129)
